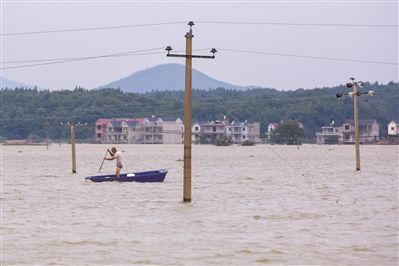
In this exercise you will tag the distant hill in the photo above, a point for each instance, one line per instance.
(168, 77)
(11, 84)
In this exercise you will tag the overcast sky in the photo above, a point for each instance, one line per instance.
(284, 62)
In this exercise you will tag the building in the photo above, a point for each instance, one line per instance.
(270, 128)
(239, 132)
(196, 132)
(254, 132)
(117, 130)
(135, 131)
(153, 131)
(101, 129)
(329, 135)
(173, 131)
(369, 131)
(211, 131)
(393, 128)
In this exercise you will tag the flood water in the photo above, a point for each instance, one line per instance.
(250, 206)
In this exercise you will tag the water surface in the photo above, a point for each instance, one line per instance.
(250, 206)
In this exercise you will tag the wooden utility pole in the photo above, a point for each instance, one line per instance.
(188, 110)
(355, 86)
(73, 148)
(188, 118)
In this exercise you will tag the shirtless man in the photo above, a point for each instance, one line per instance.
(118, 156)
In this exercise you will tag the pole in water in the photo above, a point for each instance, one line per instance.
(355, 93)
(188, 109)
(73, 148)
(187, 120)
(356, 118)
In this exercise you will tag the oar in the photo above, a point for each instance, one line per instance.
(103, 160)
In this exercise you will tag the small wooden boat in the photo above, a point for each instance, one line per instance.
(149, 176)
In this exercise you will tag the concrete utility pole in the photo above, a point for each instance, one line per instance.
(188, 109)
(355, 86)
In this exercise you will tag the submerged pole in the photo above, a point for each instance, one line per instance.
(73, 148)
(356, 118)
(188, 109)
(187, 120)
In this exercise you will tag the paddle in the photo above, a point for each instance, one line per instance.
(103, 160)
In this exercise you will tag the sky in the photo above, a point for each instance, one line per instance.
(284, 45)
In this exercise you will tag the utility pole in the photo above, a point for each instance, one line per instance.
(73, 141)
(73, 148)
(188, 109)
(355, 86)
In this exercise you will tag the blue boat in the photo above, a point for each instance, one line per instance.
(149, 176)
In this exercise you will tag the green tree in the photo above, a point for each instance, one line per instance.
(288, 132)
(331, 140)
(223, 141)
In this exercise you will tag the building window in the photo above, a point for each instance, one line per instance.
(214, 129)
(99, 127)
(347, 127)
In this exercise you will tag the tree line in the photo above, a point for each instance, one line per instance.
(40, 114)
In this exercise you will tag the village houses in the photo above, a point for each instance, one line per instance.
(155, 130)
(345, 134)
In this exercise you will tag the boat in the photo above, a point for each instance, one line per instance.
(148, 176)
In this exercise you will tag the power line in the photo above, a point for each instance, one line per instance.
(143, 52)
(86, 57)
(299, 24)
(308, 56)
(67, 60)
(91, 29)
(203, 22)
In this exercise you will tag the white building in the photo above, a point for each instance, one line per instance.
(196, 132)
(173, 131)
(270, 128)
(393, 128)
(242, 131)
(152, 133)
(237, 131)
(369, 131)
(329, 134)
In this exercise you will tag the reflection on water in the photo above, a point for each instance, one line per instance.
(250, 206)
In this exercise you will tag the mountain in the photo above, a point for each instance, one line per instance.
(168, 77)
(6, 83)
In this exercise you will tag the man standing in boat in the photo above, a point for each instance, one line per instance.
(118, 156)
